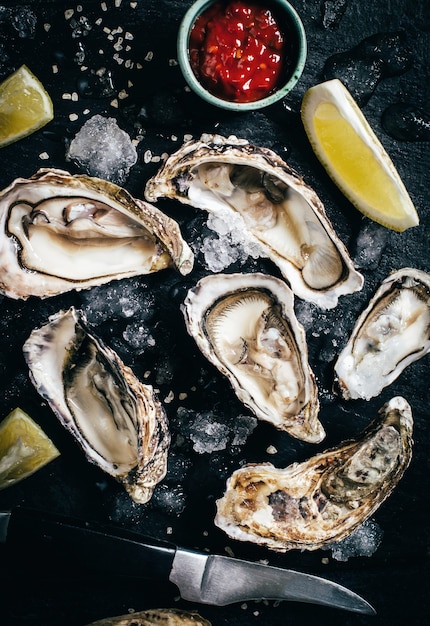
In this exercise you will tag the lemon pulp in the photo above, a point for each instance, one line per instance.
(351, 153)
(24, 448)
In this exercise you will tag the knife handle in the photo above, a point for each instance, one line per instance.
(65, 543)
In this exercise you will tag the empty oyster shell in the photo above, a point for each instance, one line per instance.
(280, 213)
(322, 500)
(60, 232)
(162, 617)
(392, 332)
(246, 326)
(118, 421)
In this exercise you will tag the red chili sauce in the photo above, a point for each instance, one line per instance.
(237, 51)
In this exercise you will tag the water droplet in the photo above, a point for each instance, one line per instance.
(406, 122)
(362, 67)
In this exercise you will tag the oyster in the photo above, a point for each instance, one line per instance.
(322, 500)
(60, 232)
(392, 332)
(165, 617)
(246, 326)
(279, 212)
(118, 421)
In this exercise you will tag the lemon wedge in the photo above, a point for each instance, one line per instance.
(25, 106)
(24, 448)
(353, 156)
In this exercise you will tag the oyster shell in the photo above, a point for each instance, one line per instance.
(392, 332)
(164, 617)
(60, 232)
(118, 421)
(246, 326)
(280, 213)
(322, 500)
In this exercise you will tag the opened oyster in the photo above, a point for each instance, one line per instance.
(392, 332)
(159, 617)
(320, 501)
(279, 212)
(60, 232)
(246, 326)
(118, 421)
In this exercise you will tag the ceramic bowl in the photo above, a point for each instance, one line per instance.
(288, 19)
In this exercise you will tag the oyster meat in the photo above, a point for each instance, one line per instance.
(246, 326)
(392, 332)
(159, 617)
(60, 232)
(322, 500)
(278, 211)
(119, 423)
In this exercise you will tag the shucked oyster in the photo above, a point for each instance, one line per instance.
(60, 232)
(392, 332)
(320, 501)
(118, 421)
(246, 326)
(158, 617)
(280, 213)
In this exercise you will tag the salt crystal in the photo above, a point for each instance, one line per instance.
(103, 149)
(129, 36)
(103, 6)
(47, 27)
(149, 55)
(73, 117)
(44, 156)
(68, 13)
(114, 103)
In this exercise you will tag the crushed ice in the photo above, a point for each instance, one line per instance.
(230, 245)
(103, 149)
(210, 432)
(362, 542)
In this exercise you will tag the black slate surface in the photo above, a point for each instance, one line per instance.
(395, 578)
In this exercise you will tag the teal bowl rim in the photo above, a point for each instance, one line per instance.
(187, 22)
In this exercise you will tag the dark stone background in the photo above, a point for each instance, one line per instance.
(395, 578)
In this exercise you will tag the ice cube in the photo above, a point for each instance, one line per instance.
(103, 149)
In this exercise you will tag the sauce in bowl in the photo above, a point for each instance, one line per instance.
(241, 51)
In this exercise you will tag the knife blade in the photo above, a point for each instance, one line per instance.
(200, 577)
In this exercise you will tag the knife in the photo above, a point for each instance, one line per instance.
(203, 578)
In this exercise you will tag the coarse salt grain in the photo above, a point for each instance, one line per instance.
(182, 396)
(149, 55)
(271, 450)
(44, 156)
(133, 5)
(55, 69)
(114, 103)
(66, 96)
(47, 27)
(129, 36)
(103, 6)
(73, 117)
(170, 396)
(122, 94)
(68, 13)
(156, 159)
(147, 156)
(187, 137)
(118, 3)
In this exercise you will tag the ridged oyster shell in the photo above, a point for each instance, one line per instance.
(60, 232)
(162, 617)
(280, 212)
(246, 326)
(322, 500)
(392, 332)
(118, 422)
